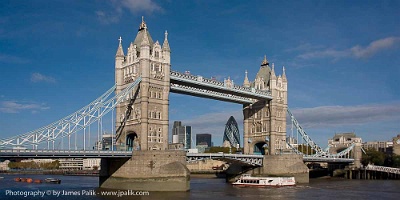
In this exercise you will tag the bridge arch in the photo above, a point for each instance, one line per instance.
(130, 140)
(259, 147)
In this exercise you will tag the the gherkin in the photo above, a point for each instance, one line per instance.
(231, 132)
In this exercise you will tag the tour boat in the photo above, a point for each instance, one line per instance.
(52, 180)
(248, 180)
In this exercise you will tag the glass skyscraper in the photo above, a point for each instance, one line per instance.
(231, 133)
(182, 134)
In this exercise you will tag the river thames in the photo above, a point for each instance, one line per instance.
(202, 187)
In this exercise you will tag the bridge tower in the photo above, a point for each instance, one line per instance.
(265, 121)
(142, 124)
(142, 121)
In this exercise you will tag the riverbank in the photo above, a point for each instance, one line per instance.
(53, 172)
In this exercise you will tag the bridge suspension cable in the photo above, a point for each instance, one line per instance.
(304, 135)
(74, 122)
(319, 152)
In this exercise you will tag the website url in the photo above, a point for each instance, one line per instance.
(121, 193)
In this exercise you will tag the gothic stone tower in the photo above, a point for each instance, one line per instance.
(265, 121)
(147, 126)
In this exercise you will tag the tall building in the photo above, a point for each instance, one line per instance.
(144, 118)
(231, 133)
(396, 145)
(108, 142)
(182, 134)
(188, 137)
(342, 141)
(203, 139)
(261, 126)
(382, 146)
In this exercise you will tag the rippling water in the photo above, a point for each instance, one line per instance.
(80, 187)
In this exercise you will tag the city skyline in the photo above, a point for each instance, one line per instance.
(342, 72)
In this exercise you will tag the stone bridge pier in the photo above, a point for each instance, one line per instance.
(147, 171)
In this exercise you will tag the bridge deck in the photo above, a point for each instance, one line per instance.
(250, 159)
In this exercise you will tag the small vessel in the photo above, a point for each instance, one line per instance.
(17, 179)
(29, 180)
(23, 179)
(37, 181)
(52, 180)
(246, 180)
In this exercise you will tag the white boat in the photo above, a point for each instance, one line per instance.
(52, 180)
(248, 180)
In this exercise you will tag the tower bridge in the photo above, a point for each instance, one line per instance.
(143, 82)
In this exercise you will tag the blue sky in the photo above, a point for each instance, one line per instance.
(342, 58)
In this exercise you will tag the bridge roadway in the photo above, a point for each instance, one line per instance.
(255, 160)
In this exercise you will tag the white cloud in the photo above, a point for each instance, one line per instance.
(337, 116)
(304, 47)
(17, 107)
(141, 5)
(356, 51)
(134, 6)
(37, 77)
(108, 18)
(325, 53)
(374, 47)
(12, 59)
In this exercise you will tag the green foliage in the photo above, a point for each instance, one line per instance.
(396, 161)
(221, 149)
(33, 165)
(373, 156)
(305, 149)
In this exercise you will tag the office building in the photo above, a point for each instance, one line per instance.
(182, 134)
(203, 139)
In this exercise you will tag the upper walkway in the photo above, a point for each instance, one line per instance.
(185, 83)
(255, 160)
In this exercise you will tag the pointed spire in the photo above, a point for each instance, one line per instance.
(284, 73)
(143, 24)
(166, 44)
(246, 82)
(120, 51)
(145, 41)
(265, 61)
(273, 71)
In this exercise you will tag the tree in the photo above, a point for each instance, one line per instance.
(221, 149)
(374, 157)
(396, 160)
(305, 149)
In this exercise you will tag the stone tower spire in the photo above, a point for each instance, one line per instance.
(273, 76)
(246, 82)
(284, 74)
(119, 62)
(265, 61)
(166, 44)
(120, 51)
(142, 25)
